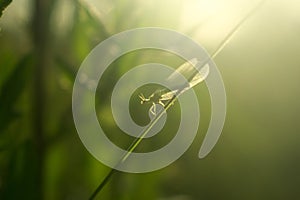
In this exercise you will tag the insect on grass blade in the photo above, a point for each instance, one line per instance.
(194, 72)
(193, 80)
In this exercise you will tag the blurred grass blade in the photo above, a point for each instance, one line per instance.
(3, 5)
(11, 91)
(66, 68)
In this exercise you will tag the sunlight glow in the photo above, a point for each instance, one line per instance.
(209, 21)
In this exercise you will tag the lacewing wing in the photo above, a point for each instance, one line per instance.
(195, 73)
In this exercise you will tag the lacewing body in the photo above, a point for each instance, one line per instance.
(195, 73)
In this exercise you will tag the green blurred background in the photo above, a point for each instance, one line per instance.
(42, 44)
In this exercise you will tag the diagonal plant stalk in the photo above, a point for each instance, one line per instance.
(3, 5)
(169, 103)
(134, 144)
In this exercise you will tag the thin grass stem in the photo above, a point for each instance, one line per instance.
(138, 140)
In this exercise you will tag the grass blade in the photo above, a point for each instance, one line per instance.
(138, 140)
(3, 5)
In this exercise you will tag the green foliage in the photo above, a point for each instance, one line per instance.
(257, 156)
(11, 91)
(3, 5)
